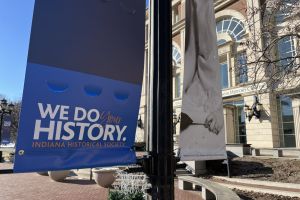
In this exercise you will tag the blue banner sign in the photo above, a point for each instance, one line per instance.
(83, 84)
(5, 137)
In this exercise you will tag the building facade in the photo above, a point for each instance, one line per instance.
(278, 125)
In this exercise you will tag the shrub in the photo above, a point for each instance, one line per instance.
(118, 195)
(129, 187)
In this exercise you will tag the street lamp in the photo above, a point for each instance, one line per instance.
(255, 109)
(140, 123)
(5, 108)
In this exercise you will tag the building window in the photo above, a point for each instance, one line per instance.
(146, 33)
(285, 8)
(177, 93)
(286, 52)
(234, 27)
(240, 124)
(242, 70)
(176, 13)
(286, 122)
(224, 75)
(176, 56)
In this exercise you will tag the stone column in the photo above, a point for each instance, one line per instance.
(173, 16)
(231, 76)
(197, 167)
(260, 132)
(296, 113)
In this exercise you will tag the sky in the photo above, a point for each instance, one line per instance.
(15, 25)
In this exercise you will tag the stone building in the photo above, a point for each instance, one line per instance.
(278, 126)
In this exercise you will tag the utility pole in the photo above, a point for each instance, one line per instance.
(161, 162)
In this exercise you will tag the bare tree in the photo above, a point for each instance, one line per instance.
(15, 116)
(273, 45)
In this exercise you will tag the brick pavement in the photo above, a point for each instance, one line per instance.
(31, 186)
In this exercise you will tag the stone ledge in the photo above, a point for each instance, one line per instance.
(209, 189)
(275, 152)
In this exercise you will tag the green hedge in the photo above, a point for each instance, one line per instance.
(118, 195)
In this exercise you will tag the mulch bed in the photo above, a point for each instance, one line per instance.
(264, 169)
(245, 195)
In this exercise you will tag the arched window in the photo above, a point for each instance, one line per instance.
(286, 52)
(176, 56)
(234, 27)
(284, 9)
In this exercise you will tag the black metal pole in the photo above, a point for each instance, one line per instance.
(162, 160)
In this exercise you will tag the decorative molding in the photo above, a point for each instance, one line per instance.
(220, 4)
(230, 12)
(177, 27)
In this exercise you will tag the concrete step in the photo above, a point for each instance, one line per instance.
(182, 172)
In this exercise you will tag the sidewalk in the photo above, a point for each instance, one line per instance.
(31, 186)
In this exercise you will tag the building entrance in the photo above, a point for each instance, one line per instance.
(238, 122)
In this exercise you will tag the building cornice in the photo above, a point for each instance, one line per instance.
(176, 28)
(220, 4)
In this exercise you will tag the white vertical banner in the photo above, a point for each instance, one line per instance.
(202, 125)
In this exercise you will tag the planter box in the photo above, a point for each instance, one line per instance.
(105, 177)
(59, 175)
(43, 173)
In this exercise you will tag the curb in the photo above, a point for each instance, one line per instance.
(257, 182)
(261, 190)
